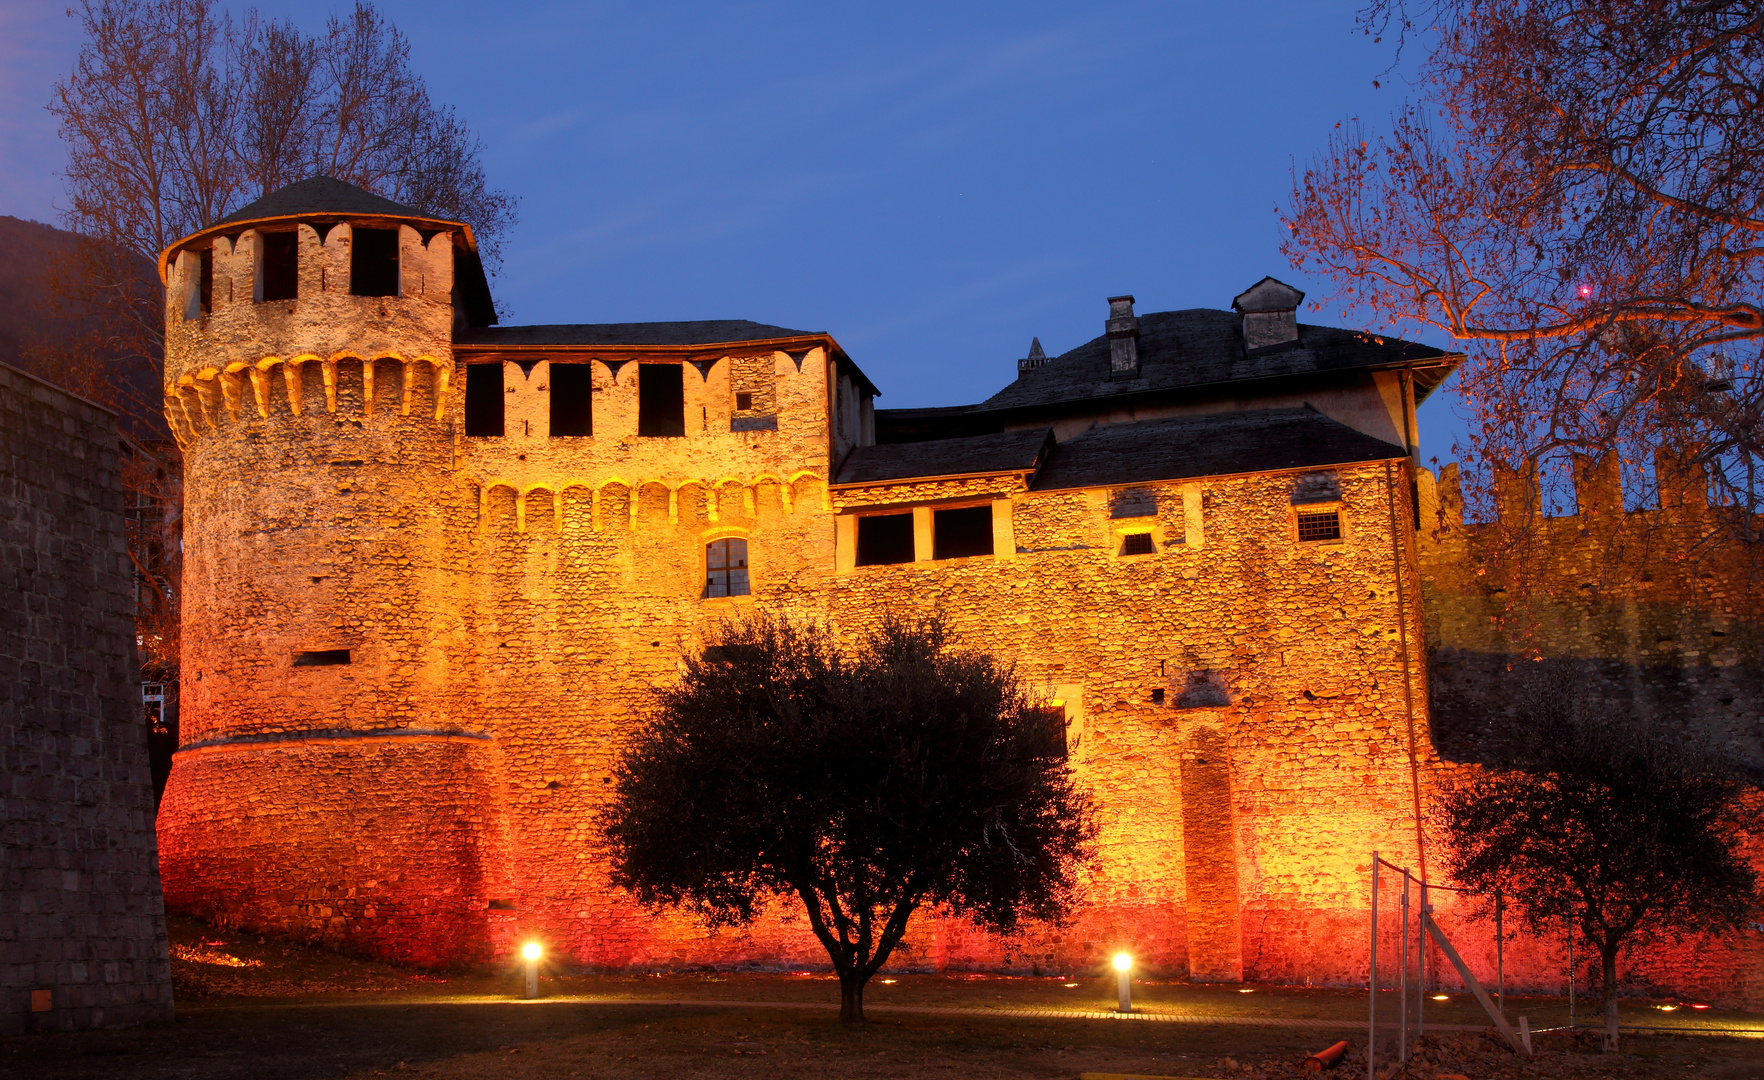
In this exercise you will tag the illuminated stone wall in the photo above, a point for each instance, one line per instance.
(510, 603)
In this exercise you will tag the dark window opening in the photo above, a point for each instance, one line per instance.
(205, 280)
(661, 400)
(1324, 526)
(1049, 736)
(1137, 544)
(572, 399)
(884, 538)
(373, 262)
(483, 403)
(957, 534)
(744, 400)
(726, 568)
(321, 658)
(281, 265)
(1158, 696)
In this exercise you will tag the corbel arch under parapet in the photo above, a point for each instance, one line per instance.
(810, 474)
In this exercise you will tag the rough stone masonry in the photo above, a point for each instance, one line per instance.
(82, 923)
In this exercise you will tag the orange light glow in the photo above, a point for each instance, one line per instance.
(1123, 961)
(531, 950)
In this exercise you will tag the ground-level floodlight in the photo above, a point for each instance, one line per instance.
(1124, 964)
(530, 951)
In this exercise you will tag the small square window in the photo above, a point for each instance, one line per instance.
(744, 401)
(1137, 544)
(1325, 525)
(1158, 696)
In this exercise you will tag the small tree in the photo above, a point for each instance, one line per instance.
(1613, 827)
(866, 783)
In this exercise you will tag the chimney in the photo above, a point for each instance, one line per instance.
(1123, 331)
(1270, 314)
(1035, 359)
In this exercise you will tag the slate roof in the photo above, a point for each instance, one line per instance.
(1201, 346)
(323, 195)
(699, 332)
(1011, 452)
(1215, 444)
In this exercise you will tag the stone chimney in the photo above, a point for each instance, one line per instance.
(1123, 331)
(1270, 314)
(1035, 359)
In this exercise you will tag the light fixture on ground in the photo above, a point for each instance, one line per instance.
(1124, 964)
(530, 952)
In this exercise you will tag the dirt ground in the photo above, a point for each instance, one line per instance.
(265, 1010)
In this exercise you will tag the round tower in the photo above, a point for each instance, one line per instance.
(329, 772)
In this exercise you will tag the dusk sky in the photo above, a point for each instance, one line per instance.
(934, 184)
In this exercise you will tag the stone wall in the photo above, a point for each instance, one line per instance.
(82, 924)
(1651, 615)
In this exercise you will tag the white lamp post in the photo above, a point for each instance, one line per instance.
(1123, 964)
(531, 952)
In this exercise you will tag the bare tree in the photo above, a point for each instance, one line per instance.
(1577, 193)
(865, 783)
(175, 115)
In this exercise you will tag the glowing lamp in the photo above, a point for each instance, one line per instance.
(1123, 984)
(531, 952)
(1442, 997)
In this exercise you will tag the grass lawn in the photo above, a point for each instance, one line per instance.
(260, 1009)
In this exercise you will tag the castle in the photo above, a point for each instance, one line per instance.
(436, 566)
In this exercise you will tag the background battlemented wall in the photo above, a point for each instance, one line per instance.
(82, 924)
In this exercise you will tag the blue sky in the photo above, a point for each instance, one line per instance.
(933, 183)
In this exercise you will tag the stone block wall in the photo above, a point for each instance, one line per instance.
(82, 923)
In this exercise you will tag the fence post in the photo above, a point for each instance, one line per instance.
(1570, 921)
(1500, 958)
(1421, 963)
(1403, 1035)
(1372, 981)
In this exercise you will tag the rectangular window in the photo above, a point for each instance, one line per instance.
(1325, 525)
(960, 533)
(726, 568)
(483, 402)
(1050, 736)
(572, 399)
(321, 658)
(373, 262)
(744, 400)
(1137, 544)
(205, 280)
(884, 538)
(280, 272)
(661, 400)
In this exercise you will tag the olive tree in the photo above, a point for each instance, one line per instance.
(864, 782)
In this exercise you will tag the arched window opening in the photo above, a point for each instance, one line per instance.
(726, 568)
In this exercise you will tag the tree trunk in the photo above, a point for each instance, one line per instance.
(1608, 958)
(851, 998)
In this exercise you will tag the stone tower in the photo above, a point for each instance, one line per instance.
(310, 379)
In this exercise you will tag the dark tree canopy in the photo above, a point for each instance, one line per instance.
(865, 782)
(1614, 827)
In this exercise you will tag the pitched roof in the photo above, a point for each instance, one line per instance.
(1197, 347)
(1011, 452)
(323, 195)
(696, 332)
(1215, 444)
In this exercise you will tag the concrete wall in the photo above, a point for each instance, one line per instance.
(82, 924)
